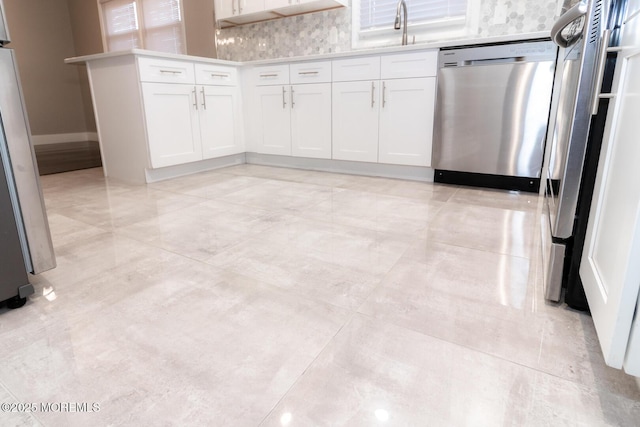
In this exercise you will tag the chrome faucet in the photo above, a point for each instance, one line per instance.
(396, 25)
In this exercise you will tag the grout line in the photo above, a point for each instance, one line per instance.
(309, 366)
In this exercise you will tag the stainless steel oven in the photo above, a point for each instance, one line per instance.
(580, 34)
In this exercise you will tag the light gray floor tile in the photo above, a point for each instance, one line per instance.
(182, 342)
(255, 293)
(304, 273)
(377, 374)
(379, 212)
(203, 230)
(504, 231)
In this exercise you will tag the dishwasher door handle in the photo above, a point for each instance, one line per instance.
(509, 60)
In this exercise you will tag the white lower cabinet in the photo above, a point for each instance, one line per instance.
(172, 123)
(187, 123)
(311, 120)
(294, 120)
(406, 121)
(219, 121)
(355, 120)
(388, 121)
(273, 120)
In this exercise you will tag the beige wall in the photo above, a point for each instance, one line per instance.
(45, 32)
(87, 38)
(199, 27)
(41, 36)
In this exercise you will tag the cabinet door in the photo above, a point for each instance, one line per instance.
(250, 6)
(406, 121)
(173, 129)
(609, 268)
(277, 4)
(226, 8)
(219, 121)
(311, 120)
(273, 120)
(355, 120)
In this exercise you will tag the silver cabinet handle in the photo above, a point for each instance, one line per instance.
(219, 75)
(303, 73)
(195, 97)
(170, 72)
(576, 12)
(268, 75)
(373, 87)
(284, 101)
(204, 98)
(602, 61)
(292, 103)
(384, 94)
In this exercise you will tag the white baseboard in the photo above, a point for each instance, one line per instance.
(58, 138)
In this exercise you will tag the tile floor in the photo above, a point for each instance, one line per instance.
(260, 296)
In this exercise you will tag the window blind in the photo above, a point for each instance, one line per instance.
(120, 24)
(148, 24)
(376, 14)
(163, 25)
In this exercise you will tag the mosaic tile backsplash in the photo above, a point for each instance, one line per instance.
(330, 31)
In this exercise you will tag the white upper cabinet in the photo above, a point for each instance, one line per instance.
(237, 12)
(277, 4)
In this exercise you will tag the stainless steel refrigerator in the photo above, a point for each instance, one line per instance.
(25, 240)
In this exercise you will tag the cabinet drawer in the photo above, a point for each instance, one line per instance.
(165, 71)
(212, 74)
(310, 72)
(271, 75)
(367, 68)
(406, 65)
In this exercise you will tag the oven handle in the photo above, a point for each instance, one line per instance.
(602, 61)
(576, 12)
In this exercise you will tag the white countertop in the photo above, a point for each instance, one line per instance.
(390, 49)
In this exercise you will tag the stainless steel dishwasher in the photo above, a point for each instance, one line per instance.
(492, 112)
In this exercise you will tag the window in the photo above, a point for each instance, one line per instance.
(428, 19)
(143, 24)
